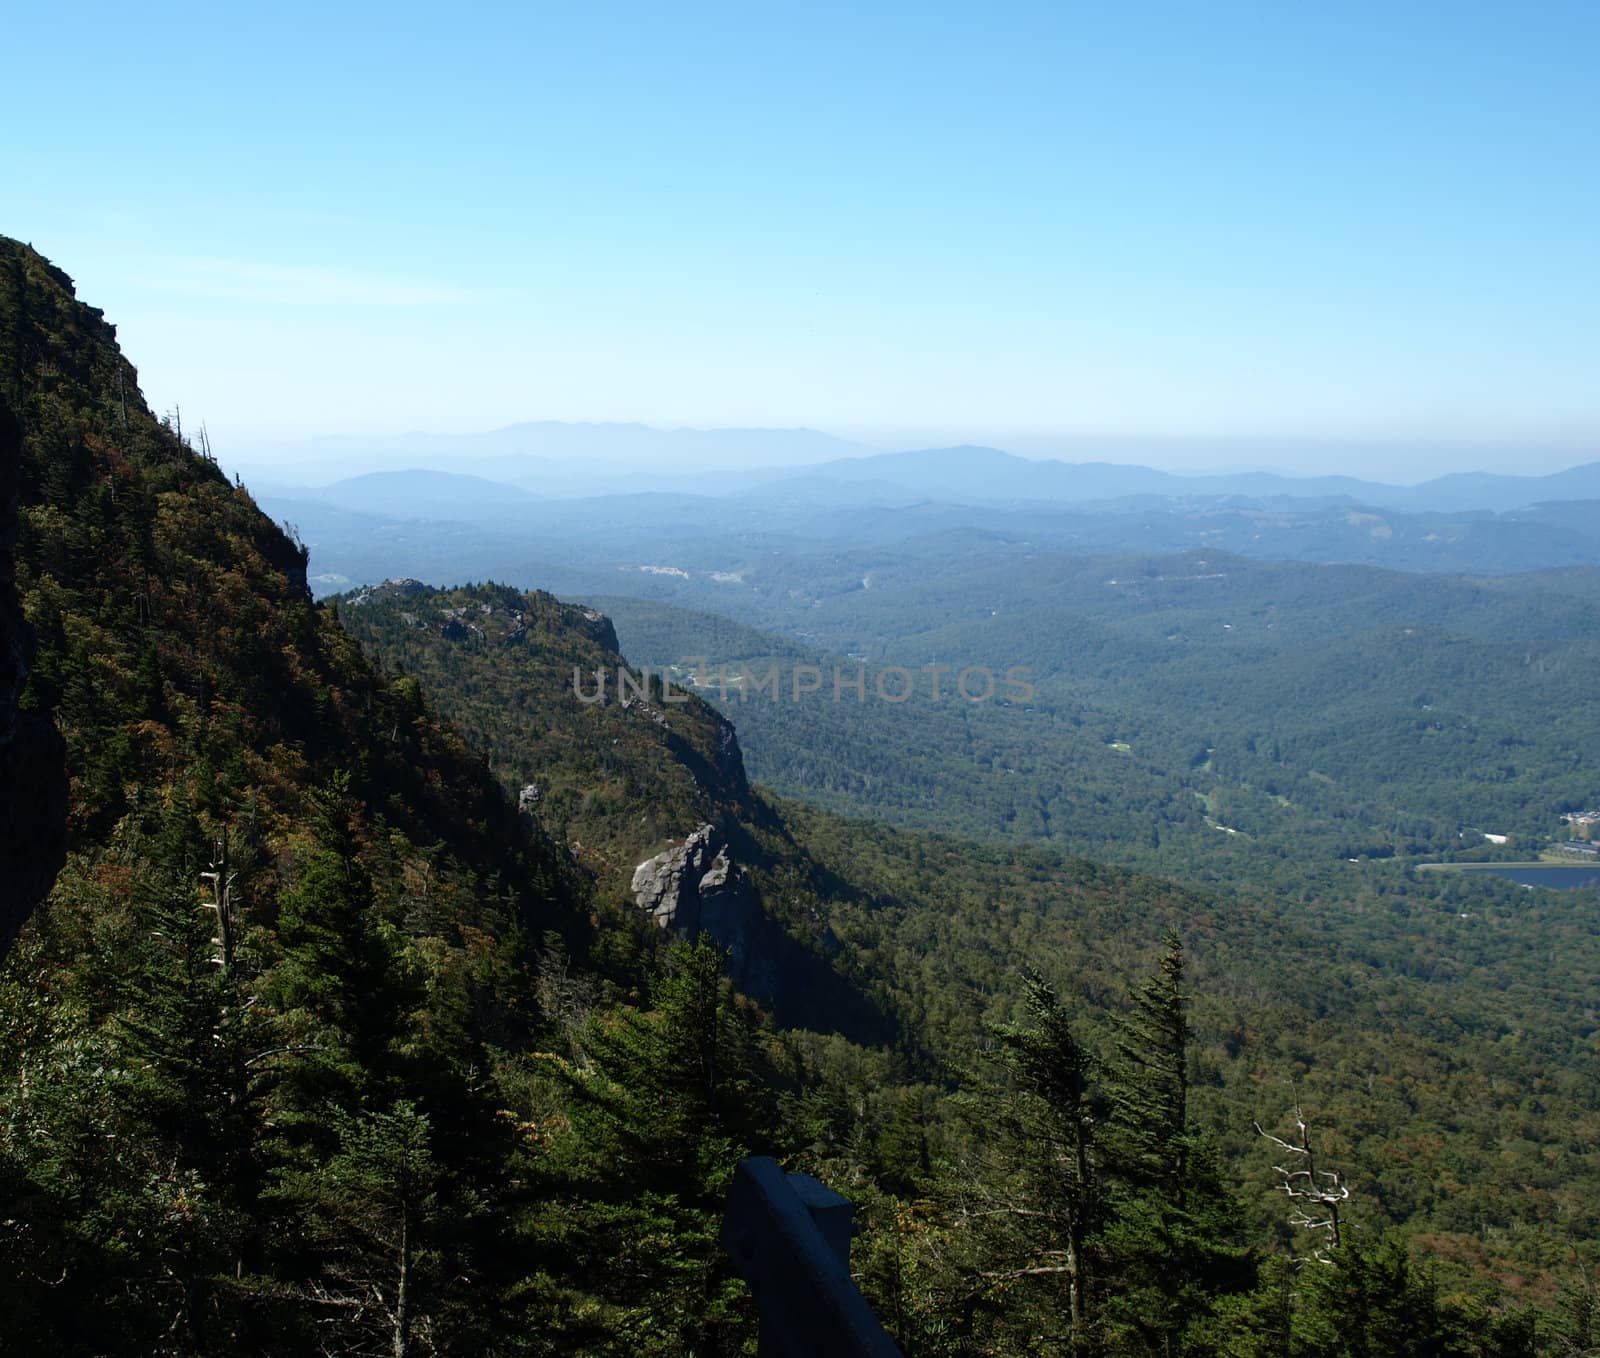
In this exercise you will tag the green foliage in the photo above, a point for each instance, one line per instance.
(428, 1086)
(1320, 713)
(183, 1125)
(1040, 1198)
(391, 1228)
(662, 1106)
(1099, 1220)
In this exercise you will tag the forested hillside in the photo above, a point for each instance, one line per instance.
(1196, 715)
(33, 782)
(1432, 1044)
(342, 1030)
(617, 769)
(616, 774)
(272, 1077)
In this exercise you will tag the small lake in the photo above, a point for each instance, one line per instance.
(1557, 875)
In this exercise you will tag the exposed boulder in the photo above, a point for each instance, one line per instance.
(667, 886)
(696, 887)
(597, 627)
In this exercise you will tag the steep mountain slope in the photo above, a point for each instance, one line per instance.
(614, 771)
(214, 1085)
(33, 784)
(1417, 1028)
(177, 644)
(645, 785)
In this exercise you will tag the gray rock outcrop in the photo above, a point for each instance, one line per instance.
(667, 887)
(405, 588)
(696, 886)
(598, 628)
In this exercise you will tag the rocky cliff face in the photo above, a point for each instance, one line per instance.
(622, 765)
(33, 778)
(680, 887)
(611, 772)
(696, 887)
(597, 627)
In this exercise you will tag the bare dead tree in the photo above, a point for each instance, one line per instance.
(1315, 1193)
(565, 998)
(221, 882)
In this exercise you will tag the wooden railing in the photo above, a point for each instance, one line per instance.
(789, 1237)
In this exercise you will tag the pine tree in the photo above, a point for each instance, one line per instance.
(1151, 1081)
(333, 989)
(668, 1102)
(185, 1051)
(371, 1209)
(679, 1086)
(1173, 1245)
(1039, 1213)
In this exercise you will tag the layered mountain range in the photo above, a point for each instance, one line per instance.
(402, 990)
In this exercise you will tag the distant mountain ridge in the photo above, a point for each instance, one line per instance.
(573, 460)
(418, 492)
(442, 527)
(549, 456)
(989, 475)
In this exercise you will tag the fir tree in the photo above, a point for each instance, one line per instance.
(1174, 1243)
(1041, 1213)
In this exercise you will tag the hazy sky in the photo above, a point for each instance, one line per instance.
(905, 223)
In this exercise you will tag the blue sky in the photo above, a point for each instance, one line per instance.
(1268, 223)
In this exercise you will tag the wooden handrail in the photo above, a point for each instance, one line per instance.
(789, 1238)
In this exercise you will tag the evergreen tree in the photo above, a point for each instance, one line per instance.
(1040, 1211)
(185, 1049)
(668, 1101)
(1151, 1081)
(374, 1209)
(333, 991)
(1173, 1244)
(1370, 1303)
(125, 1139)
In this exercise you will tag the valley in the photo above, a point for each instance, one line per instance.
(510, 970)
(799, 681)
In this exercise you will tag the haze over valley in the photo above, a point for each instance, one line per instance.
(784, 681)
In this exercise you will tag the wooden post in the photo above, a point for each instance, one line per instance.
(789, 1238)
